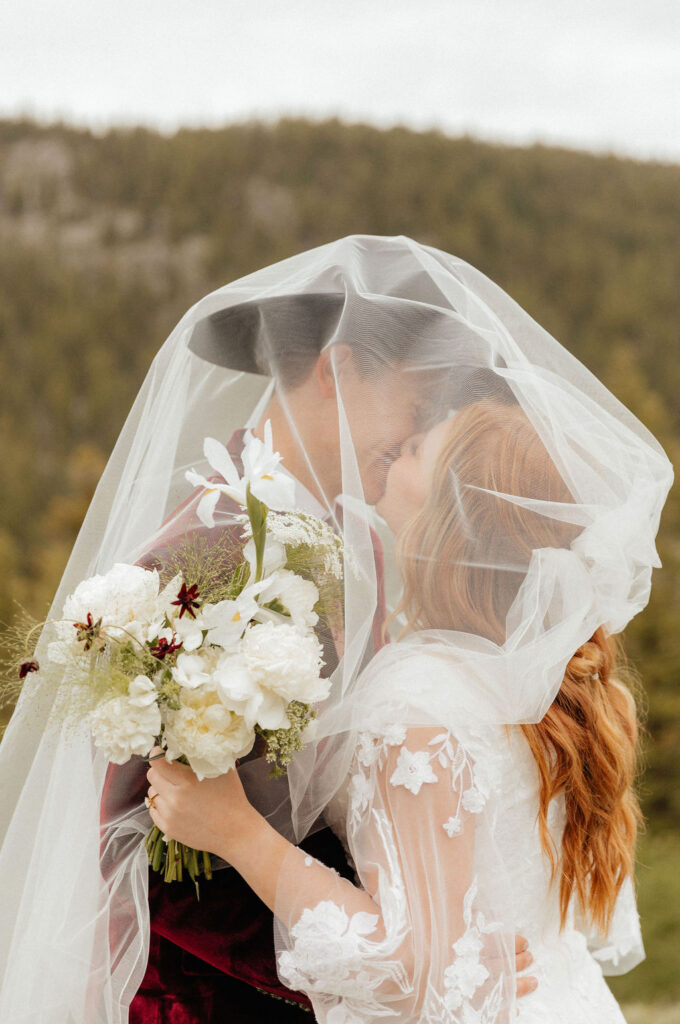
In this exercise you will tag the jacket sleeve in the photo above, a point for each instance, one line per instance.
(413, 940)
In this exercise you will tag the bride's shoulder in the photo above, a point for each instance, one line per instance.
(418, 689)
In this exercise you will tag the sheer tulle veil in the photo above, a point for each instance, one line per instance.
(428, 335)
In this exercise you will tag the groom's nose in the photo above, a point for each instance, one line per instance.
(409, 444)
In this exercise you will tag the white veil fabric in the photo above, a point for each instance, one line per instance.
(411, 338)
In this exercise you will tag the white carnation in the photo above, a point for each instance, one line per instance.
(285, 661)
(127, 725)
(210, 735)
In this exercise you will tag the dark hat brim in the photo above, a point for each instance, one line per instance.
(229, 337)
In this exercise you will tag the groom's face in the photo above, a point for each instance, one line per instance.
(383, 409)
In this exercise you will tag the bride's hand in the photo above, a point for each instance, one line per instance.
(523, 959)
(210, 814)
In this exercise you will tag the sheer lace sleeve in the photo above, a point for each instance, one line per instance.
(413, 941)
(621, 949)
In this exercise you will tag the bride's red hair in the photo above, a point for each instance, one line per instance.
(586, 745)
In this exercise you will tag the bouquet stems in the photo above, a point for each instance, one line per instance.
(171, 859)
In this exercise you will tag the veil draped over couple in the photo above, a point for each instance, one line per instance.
(466, 787)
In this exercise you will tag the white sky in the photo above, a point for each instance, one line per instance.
(595, 74)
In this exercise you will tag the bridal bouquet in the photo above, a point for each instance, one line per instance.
(216, 649)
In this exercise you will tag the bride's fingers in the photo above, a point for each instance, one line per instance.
(157, 819)
(173, 772)
(168, 773)
(525, 986)
(523, 960)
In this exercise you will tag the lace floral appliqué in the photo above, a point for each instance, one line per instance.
(412, 770)
(333, 955)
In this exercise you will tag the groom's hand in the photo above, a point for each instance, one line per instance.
(523, 959)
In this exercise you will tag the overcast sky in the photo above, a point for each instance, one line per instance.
(595, 74)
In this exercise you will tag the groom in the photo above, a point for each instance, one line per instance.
(213, 960)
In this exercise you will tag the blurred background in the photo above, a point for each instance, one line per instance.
(150, 153)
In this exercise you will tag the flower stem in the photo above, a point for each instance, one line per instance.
(172, 859)
(207, 864)
(157, 859)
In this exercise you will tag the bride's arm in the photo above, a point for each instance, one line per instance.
(419, 930)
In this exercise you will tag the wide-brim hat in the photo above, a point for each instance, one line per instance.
(229, 337)
(239, 337)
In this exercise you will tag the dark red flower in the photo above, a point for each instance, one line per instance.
(186, 599)
(89, 631)
(163, 647)
(26, 667)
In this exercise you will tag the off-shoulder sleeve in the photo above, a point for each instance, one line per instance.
(621, 949)
(412, 941)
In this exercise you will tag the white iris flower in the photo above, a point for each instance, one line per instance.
(260, 471)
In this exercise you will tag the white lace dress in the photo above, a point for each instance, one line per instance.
(440, 830)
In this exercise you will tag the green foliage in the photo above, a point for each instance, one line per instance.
(658, 882)
(108, 238)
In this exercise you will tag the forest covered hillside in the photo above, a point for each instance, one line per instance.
(106, 239)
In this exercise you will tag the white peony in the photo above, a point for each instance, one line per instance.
(196, 668)
(126, 597)
(285, 661)
(128, 725)
(240, 691)
(209, 735)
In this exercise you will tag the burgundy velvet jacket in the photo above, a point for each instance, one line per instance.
(213, 961)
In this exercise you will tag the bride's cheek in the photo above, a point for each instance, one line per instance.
(408, 489)
(395, 486)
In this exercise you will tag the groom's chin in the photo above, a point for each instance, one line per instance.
(375, 498)
(375, 486)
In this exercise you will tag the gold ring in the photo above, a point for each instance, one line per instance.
(150, 800)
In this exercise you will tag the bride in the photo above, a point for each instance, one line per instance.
(466, 832)
(468, 778)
